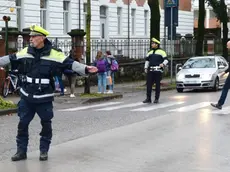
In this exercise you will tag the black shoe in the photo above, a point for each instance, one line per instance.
(147, 101)
(19, 156)
(216, 106)
(156, 101)
(43, 156)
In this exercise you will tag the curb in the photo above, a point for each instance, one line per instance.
(166, 88)
(97, 99)
(8, 111)
(162, 88)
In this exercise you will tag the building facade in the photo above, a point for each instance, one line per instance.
(109, 21)
(212, 25)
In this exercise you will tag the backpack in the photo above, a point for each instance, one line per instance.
(114, 65)
(101, 65)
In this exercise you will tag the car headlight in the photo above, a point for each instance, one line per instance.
(207, 76)
(179, 76)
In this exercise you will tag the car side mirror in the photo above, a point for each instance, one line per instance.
(221, 67)
(180, 68)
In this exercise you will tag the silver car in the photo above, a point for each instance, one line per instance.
(202, 72)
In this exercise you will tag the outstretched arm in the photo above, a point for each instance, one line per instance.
(4, 60)
(77, 67)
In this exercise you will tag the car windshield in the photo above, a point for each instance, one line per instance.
(200, 63)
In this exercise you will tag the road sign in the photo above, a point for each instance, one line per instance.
(168, 16)
(171, 3)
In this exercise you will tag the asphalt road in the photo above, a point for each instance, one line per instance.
(181, 133)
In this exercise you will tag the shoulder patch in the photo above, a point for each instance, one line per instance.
(161, 52)
(150, 52)
(56, 56)
(23, 54)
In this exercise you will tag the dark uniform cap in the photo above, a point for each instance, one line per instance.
(156, 41)
(38, 31)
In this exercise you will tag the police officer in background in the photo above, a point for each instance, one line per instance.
(39, 63)
(154, 65)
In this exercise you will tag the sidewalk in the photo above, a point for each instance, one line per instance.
(119, 90)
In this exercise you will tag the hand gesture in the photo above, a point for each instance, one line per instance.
(91, 69)
(222, 74)
(161, 65)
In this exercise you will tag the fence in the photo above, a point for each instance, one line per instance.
(133, 48)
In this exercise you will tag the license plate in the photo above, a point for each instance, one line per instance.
(191, 82)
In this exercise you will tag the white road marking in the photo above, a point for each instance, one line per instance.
(157, 106)
(90, 106)
(120, 106)
(191, 107)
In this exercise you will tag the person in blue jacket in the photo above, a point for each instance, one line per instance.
(39, 63)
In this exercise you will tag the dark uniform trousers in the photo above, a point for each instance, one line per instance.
(224, 92)
(153, 77)
(26, 112)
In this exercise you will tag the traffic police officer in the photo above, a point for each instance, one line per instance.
(155, 62)
(39, 63)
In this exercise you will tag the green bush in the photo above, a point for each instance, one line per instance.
(6, 104)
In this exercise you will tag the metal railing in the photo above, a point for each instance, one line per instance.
(137, 48)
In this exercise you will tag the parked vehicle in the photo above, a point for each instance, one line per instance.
(11, 83)
(202, 72)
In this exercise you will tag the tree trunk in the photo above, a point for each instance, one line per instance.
(224, 18)
(225, 40)
(155, 19)
(200, 31)
(88, 46)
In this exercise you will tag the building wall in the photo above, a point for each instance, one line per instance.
(185, 18)
(31, 13)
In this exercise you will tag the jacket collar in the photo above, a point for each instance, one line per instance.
(45, 50)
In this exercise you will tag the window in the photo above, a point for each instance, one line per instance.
(103, 30)
(103, 22)
(43, 13)
(119, 20)
(66, 16)
(146, 22)
(133, 13)
(85, 14)
(102, 11)
(196, 14)
(19, 14)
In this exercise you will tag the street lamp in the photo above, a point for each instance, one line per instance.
(6, 19)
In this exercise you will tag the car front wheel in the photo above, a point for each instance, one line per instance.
(179, 90)
(216, 85)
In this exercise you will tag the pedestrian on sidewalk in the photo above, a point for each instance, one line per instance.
(155, 62)
(71, 76)
(111, 69)
(39, 62)
(225, 89)
(102, 66)
(59, 86)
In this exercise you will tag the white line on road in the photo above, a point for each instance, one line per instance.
(157, 106)
(121, 106)
(90, 106)
(191, 107)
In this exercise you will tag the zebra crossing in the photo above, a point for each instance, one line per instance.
(170, 106)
